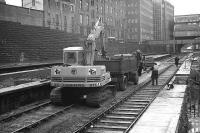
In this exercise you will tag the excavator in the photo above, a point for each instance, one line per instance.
(78, 78)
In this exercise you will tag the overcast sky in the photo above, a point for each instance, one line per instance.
(182, 7)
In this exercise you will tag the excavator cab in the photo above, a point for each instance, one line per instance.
(73, 56)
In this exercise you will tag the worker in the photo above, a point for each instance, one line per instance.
(140, 68)
(138, 55)
(176, 61)
(154, 74)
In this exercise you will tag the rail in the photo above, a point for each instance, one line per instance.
(96, 124)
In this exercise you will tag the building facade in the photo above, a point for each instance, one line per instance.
(115, 18)
(111, 12)
(163, 14)
(134, 20)
(25, 16)
(58, 14)
(139, 18)
(3, 1)
(33, 4)
(168, 21)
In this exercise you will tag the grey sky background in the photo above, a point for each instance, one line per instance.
(182, 7)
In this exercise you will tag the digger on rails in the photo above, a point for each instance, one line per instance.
(78, 77)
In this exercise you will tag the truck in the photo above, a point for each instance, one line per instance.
(123, 68)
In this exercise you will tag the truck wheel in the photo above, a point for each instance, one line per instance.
(136, 79)
(123, 83)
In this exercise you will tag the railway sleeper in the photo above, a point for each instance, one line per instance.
(112, 124)
(129, 109)
(132, 106)
(136, 103)
(138, 100)
(97, 130)
(115, 122)
(109, 127)
(125, 113)
(117, 117)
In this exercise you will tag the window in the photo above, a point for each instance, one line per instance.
(70, 57)
(58, 4)
(97, 8)
(81, 4)
(81, 19)
(92, 14)
(101, 9)
(57, 20)
(65, 21)
(49, 15)
(49, 3)
(92, 2)
(87, 6)
(87, 20)
(33, 2)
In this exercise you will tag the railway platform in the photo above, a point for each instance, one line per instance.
(168, 112)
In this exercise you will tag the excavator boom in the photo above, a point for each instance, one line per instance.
(90, 45)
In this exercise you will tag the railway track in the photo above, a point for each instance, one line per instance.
(31, 117)
(124, 114)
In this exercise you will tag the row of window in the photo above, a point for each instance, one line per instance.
(132, 21)
(84, 20)
(65, 6)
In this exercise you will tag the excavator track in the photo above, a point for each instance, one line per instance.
(99, 95)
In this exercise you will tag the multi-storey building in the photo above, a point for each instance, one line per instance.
(158, 19)
(2, 1)
(163, 14)
(139, 17)
(168, 21)
(115, 18)
(111, 12)
(136, 20)
(25, 16)
(58, 14)
(86, 14)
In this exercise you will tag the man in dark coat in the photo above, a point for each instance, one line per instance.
(154, 74)
(176, 61)
(140, 68)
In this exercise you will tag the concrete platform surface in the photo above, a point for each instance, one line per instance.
(163, 114)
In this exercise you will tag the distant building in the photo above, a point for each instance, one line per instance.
(187, 26)
(130, 20)
(3, 1)
(33, 4)
(58, 14)
(139, 17)
(163, 20)
(115, 18)
(168, 21)
(21, 15)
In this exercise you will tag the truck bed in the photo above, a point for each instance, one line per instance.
(119, 66)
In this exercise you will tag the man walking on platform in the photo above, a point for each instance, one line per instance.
(140, 68)
(176, 61)
(154, 74)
